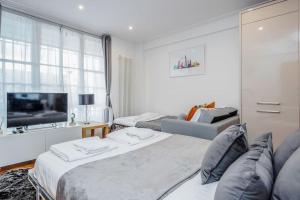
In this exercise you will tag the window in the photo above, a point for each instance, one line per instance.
(41, 57)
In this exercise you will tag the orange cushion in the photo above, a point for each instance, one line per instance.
(191, 113)
(210, 105)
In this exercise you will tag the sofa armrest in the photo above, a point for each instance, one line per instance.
(195, 129)
(222, 125)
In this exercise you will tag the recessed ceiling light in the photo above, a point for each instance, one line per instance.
(80, 7)
(261, 28)
(130, 28)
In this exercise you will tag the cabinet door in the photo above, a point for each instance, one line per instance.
(270, 88)
(269, 10)
(60, 135)
(17, 148)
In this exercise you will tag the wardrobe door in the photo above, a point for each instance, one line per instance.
(270, 89)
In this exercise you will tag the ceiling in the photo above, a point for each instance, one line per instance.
(149, 18)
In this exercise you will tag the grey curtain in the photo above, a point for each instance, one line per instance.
(106, 43)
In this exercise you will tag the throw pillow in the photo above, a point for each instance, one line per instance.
(285, 150)
(215, 115)
(191, 113)
(250, 177)
(196, 116)
(287, 184)
(209, 105)
(222, 152)
(231, 111)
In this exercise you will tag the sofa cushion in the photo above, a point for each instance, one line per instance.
(215, 115)
(208, 105)
(222, 152)
(196, 116)
(250, 177)
(285, 150)
(194, 109)
(210, 115)
(191, 113)
(231, 111)
(287, 184)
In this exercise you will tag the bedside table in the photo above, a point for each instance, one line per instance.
(92, 127)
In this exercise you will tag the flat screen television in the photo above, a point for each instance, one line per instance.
(25, 109)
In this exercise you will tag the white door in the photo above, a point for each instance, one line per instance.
(270, 88)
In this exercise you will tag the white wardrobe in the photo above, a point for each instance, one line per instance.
(270, 69)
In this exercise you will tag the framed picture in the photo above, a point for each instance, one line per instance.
(187, 62)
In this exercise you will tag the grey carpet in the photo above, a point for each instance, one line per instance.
(14, 185)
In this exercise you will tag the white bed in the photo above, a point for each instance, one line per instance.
(131, 121)
(49, 168)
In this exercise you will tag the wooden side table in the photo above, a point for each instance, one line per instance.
(92, 127)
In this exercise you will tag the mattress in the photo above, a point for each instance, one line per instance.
(132, 120)
(49, 168)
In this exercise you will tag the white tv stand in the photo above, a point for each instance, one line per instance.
(17, 148)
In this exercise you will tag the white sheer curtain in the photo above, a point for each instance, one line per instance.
(41, 57)
(125, 67)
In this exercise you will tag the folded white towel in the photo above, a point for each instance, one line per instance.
(90, 145)
(69, 153)
(99, 150)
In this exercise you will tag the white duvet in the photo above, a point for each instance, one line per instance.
(133, 135)
(49, 168)
(132, 120)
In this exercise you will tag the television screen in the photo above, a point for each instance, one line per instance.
(25, 109)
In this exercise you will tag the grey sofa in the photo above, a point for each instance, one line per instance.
(197, 129)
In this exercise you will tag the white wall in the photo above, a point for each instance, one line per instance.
(133, 51)
(152, 88)
(138, 82)
(221, 83)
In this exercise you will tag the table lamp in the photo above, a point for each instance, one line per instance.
(86, 100)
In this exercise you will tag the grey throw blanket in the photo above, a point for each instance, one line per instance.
(149, 173)
(153, 124)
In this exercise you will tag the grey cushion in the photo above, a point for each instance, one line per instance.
(215, 115)
(287, 184)
(222, 152)
(285, 150)
(250, 177)
(231, 111)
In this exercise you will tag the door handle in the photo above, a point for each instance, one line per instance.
(269, 111)
(268, 103)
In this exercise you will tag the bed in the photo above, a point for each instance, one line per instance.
(50, 169)
(146, 120)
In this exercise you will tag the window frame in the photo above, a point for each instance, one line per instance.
(36, 46)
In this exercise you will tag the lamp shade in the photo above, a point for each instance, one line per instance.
(86, 99)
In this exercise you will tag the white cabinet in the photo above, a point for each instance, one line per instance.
(270, 70)
(269, 10)
(20, 148)
(59, 136)
(24, 147)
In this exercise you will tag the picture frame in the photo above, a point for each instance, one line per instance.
(187, 62)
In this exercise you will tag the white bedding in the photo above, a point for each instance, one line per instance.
(133, 135)
(132, 120)
(49, 168)
(68, 151)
